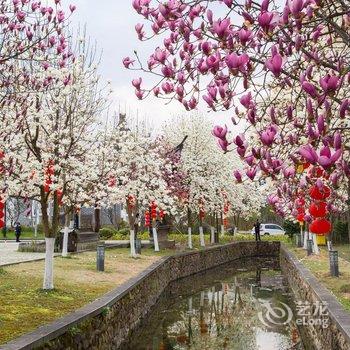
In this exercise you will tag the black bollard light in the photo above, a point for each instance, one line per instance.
(333, 263)
(138, 246)
(309, 246)
(100, 258)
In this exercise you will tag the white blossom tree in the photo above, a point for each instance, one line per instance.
(209, 179)
(48, 156)
(137, 177)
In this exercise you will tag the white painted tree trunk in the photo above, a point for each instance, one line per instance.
(329, 245)
(212, 235)
(305, 239)
(65, 241)
(190, 305)
(222, 230)
(132, 244)
(155, 239)
(201, 236)
(190, 238)
(71, 224)
(49, 253)
(201, 303)
(315, 248)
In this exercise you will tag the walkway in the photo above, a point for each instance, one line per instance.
(10, 255)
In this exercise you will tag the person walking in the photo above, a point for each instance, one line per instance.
(18, 231)
(257, 230)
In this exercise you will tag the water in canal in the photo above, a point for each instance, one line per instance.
(241, 306)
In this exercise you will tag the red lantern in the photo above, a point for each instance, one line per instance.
(319, 194)
(147, 219)
(154, 211)
(201, 213)
(301, 217)
(316, 172)
(318, 209)
(2, 212)
(320, 226)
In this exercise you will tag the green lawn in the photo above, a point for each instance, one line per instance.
(24, 305)
(26, 234)
(319, 266)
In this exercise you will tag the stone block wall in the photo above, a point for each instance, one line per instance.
(306, 287)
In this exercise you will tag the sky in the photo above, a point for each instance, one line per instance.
(111, 24)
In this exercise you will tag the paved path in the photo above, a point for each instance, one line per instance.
(10, 255)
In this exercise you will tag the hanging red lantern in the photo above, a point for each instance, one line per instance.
(201, 213)
(147, 219)
(301, 217)
(318, 209)
(315, 172)
(319, 194)
(2, 212)
(320, 226)
(300, 202)
(59, 197)
(161, 214)
(153, 211)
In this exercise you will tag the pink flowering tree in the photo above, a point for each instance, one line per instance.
(283, 71)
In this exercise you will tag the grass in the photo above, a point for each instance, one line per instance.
(319, 266)
(24, 305)
(182, 239)
(26, 234)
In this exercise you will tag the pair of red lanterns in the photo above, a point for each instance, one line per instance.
(153, 214)
(318, 209)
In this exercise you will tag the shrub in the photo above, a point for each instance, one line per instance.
(340, 232)
(106, 233)
(292, 228)
(124, 231)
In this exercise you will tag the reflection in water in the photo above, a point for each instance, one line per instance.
(219, 309)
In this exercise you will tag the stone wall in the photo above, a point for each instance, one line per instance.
(306, 287)
(107, 322)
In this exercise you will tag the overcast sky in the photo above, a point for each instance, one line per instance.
(111, 23)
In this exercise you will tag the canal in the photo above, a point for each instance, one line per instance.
(244, 305)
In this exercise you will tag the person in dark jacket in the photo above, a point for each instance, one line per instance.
(257, 230)
(18, 231)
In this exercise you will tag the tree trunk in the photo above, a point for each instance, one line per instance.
(132, 244)
(217, 228)
(155, 239)
(348, 211)
(201, 233)
(190, 238)
(97, 219)
(212, 234)
(222, 231)
(49, 255)
(189, 228)
(201, 236)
